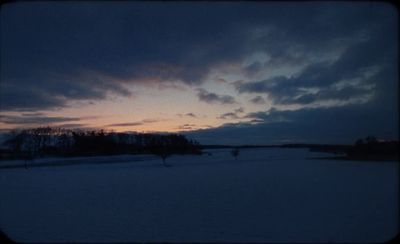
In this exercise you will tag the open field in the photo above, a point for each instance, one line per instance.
(266, 195)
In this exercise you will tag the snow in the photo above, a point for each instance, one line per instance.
(267, 195)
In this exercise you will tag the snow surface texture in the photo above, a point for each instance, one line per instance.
(267, 195)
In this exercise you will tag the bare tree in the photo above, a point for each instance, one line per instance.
(235, 153)
(164, 153)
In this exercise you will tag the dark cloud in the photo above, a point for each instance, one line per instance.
(165, 85)
(368, 54)
(26, 99)
(343, 95)
(48, 48)
(125, 124)
(316, 83)
(147, 121)
(142, 122)
(32, 114)
(187, 127)
(232, 115)
(116, 40)
(39, 120)
(210, 97)
(53, 92)
(258, 100)
(253, 68)
(57, 52)
(319, 125)
(73, 126)
(239, 110)
(221, 80)
(191, 115)
(229, 115)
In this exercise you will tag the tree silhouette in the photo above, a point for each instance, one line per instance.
(235, 153)
(163, 152)
(64, 142)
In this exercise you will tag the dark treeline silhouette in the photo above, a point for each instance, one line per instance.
(44, 141)
(371, 148)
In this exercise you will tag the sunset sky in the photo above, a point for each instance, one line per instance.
(222, 72)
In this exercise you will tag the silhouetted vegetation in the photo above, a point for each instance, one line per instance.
(372, 149)
(235, 153)
(368, 149)
(5, 239)
(30, 143)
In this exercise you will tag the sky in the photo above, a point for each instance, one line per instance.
(219, 72)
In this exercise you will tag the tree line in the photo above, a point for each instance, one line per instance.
(371, 148)
(44, 141)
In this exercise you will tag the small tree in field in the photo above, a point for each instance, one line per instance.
(27, 156)
(164, 155)
(235, 153)
(163, 152)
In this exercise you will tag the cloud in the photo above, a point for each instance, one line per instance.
(312, 46)
(164, 86)
(232, 115)
(38, 120)
(258, 100)
(111, 48)
(151, 120)
(359, 56)
(142, 122)
(239, 110)
(73, 126)
(32, 114)
(210, 97)
(56, 91)
(221, 80)
(346, 78)
(187, 127)
(191, 115)
(125, 124)
(27, 98)
(342, 125)
(350, 94)
(229, 115)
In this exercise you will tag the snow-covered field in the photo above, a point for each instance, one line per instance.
(267, 195)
